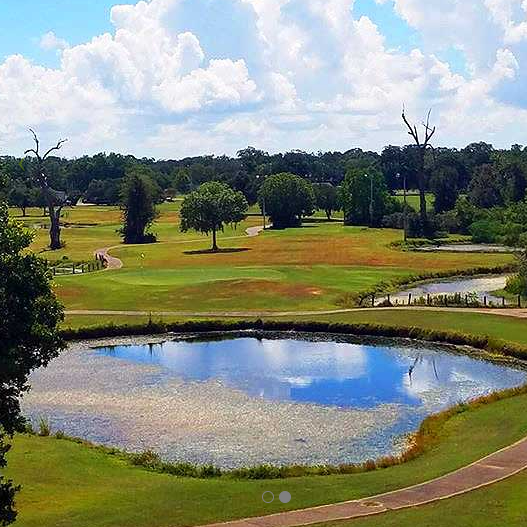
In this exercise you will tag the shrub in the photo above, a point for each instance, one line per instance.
(485, 231)
(44, 427)
(147, 459)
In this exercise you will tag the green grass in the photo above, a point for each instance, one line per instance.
(307, 268)
(296, 269)
(494, 326)
(500, 505)
(413, 200)
(68, 484)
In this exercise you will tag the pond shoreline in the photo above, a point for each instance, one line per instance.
(140, 406)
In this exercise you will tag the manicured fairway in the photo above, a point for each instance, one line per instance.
(297, 269)
(70, 485)
(308, 268)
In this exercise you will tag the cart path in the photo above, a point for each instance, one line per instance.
(112, 263)
(491, 469)
(513, 313)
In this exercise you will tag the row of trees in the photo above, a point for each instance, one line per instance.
(446, 172)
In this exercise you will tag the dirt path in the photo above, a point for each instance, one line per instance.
(489, 470)
(514, 313)
(110, 261)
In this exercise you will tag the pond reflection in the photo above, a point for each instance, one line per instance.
(342, 374)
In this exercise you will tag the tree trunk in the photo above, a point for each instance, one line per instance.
(214, 242)
(423, 212)
(422, 205)
(328, 214)
(23, 212)
(54, 230)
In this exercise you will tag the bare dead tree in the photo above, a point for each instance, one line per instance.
(422, 142)
(55, 200)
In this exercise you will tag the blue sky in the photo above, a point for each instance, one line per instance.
(25, 21)
(187, 77)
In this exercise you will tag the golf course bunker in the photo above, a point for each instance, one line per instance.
(251, 399)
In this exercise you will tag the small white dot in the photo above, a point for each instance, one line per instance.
(285, 497)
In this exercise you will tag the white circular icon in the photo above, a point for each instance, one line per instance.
(285, 497)
(264, 495)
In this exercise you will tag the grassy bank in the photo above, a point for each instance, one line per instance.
(69, 485)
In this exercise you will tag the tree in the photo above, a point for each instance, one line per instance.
(517, 284)
(365, 198)
(484, 190)
(212, 206)
(103, 192)
(137, 205)
(444, 185)
(55, 200)
(21, 197)
(514, 182)
(29, 318)
(327, 198)
(422, 143)
(287, 198)
(182, 181)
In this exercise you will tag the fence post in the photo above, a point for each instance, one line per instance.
(428, 299)
(503, 301)
(485, 301)
(373, 300)
(409, 298)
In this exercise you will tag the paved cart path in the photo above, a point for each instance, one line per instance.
(489, 470)
(514, 313)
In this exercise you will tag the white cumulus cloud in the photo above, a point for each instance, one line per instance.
(306, 74)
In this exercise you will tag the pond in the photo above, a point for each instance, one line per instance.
(246, 400)
(481, 286)
(467, 248)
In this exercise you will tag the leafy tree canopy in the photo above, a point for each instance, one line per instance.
(365, 198)
(287, 198)
(212, 206)
(137, 204)
(29, 317)
(327, 198)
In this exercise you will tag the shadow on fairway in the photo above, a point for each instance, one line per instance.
(219, 251)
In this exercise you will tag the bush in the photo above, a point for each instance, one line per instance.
(485, 231)
(148, 459)
(44, 427)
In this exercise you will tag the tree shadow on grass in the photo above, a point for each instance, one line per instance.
(219, 251)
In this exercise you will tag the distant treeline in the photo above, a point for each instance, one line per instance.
(449, 172)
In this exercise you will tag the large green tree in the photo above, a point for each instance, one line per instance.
(287, 198)
(485, 187)
(212, 206)
(444, 185)
(29, 317)
(327, 198)
(137, 205)
(364, 197)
